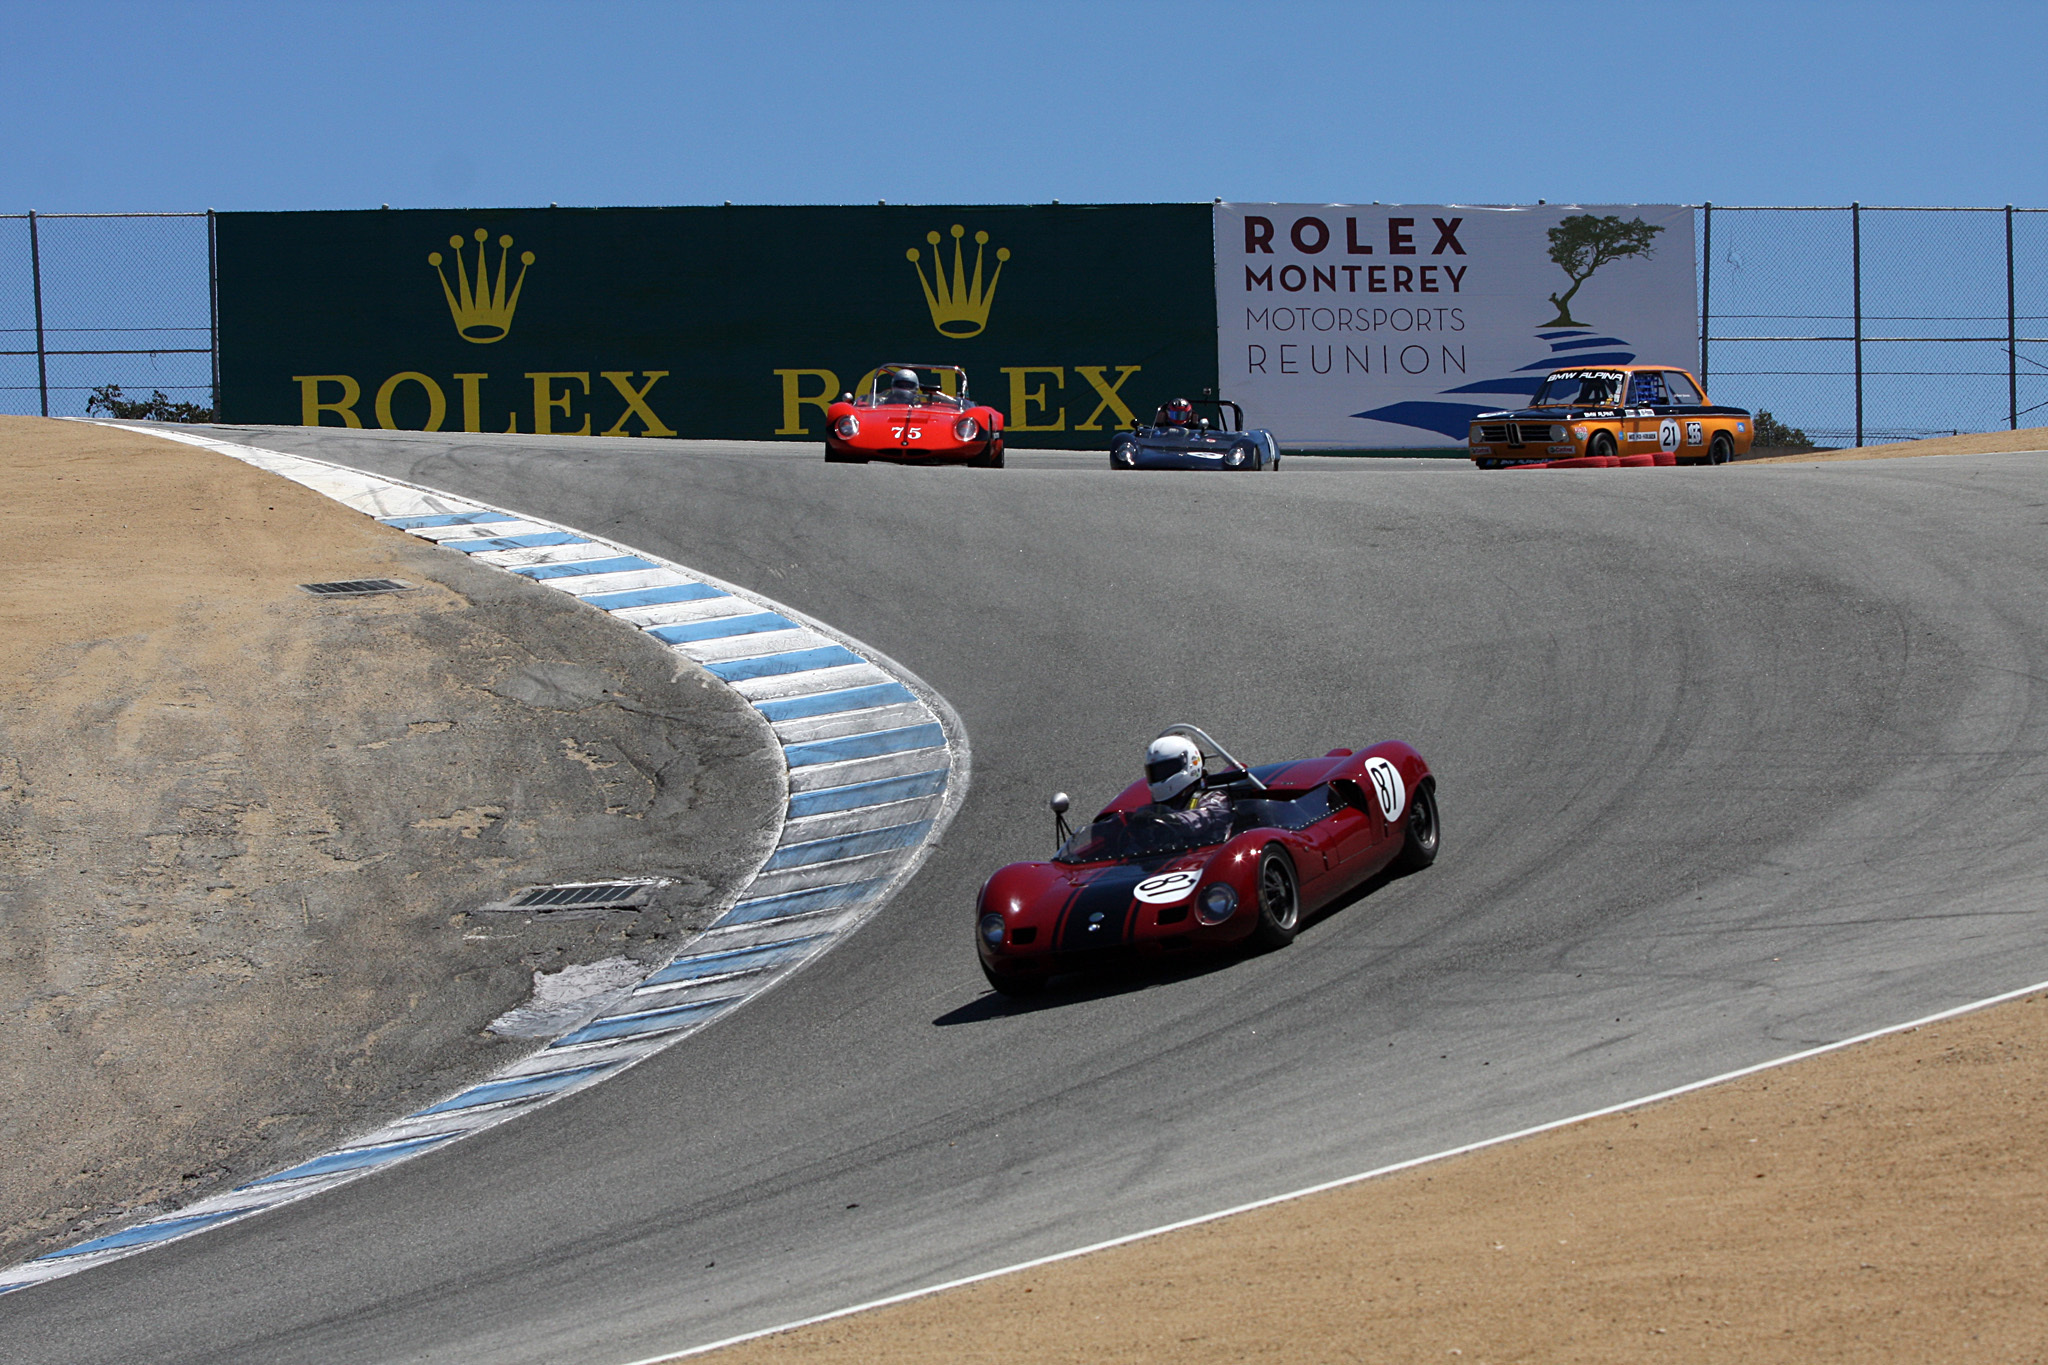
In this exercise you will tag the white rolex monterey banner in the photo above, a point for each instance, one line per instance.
(1388, 326)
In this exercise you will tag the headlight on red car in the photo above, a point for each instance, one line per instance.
(1217, 904)
(966, 429)
(992, 929)
(848, 427)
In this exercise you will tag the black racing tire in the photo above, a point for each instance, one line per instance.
(1123, 455)
(1422, 832)
(1017, 987)
(843, 457)
(1602, 444)
(1488, 464)
(1279, 892)
(1721, 450)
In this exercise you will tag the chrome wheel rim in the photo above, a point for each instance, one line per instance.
(1422, 822)
(1276, 890)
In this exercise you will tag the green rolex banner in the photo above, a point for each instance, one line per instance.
(730, 323)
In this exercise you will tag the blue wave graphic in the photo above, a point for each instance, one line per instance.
(1447, 419)
(1574, 347)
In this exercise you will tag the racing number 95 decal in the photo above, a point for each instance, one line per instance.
(1388, 787)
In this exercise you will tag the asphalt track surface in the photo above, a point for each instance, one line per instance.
(1732, 762)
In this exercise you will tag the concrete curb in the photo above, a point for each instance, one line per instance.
(876, 766)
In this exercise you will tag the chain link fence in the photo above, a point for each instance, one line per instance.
(1852, 324)
(92, 299)
(1861, 325)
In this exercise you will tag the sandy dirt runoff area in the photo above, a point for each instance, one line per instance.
(1975, 443)
(1885, 1202)
(1888, 1202)
(246, 834)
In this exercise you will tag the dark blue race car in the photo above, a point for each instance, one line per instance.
(1180, 439)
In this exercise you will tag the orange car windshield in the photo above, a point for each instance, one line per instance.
(1581, 389)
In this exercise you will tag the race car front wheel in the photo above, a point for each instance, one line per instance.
(1421, 835)
(1279, 900)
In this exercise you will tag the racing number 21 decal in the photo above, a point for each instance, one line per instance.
(1667, 435)
(1388, 787)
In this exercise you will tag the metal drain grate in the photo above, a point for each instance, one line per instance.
(356, 587)
(607, 894)
(573, 899)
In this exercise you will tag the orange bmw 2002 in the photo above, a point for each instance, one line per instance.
(1600, 417)
(914, 414)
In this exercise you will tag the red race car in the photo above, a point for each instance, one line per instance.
(914, 414)
(1152, 878)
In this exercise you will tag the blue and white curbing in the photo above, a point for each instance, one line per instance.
(877, 765)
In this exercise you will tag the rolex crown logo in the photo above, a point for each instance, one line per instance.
(959, 308)
(483, 310)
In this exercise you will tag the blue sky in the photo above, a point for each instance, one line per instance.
(291, 106)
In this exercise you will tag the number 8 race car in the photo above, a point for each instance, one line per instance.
(914, 414)
(1138, 881)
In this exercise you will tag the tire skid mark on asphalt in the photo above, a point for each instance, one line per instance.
(876, 763)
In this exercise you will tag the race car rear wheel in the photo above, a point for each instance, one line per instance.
(1422, 834)
(1722, 450)
(1014, 985)
(1279, 900)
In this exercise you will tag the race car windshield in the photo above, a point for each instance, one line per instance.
(930, 393)
(1580, 390)
(1139, 834)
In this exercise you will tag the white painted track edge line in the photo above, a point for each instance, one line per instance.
(1342, 1181)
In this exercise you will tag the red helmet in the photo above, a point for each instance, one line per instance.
(1180, 413)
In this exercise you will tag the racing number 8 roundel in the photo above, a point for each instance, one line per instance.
(1388, 787)
(1167, 887)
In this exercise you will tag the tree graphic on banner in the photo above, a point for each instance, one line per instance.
(1583, 242)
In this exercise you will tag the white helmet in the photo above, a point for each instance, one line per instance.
(1173, 763)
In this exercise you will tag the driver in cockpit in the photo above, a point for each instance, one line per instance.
(1173, 772)
(902, 388)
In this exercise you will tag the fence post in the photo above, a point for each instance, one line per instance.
(2012, 350)
(35, 266)
(1707, 291)
(1856, 269)
(213, 308)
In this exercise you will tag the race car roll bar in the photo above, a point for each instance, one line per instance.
(1208, 745)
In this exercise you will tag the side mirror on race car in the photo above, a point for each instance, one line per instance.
(1060, 829)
